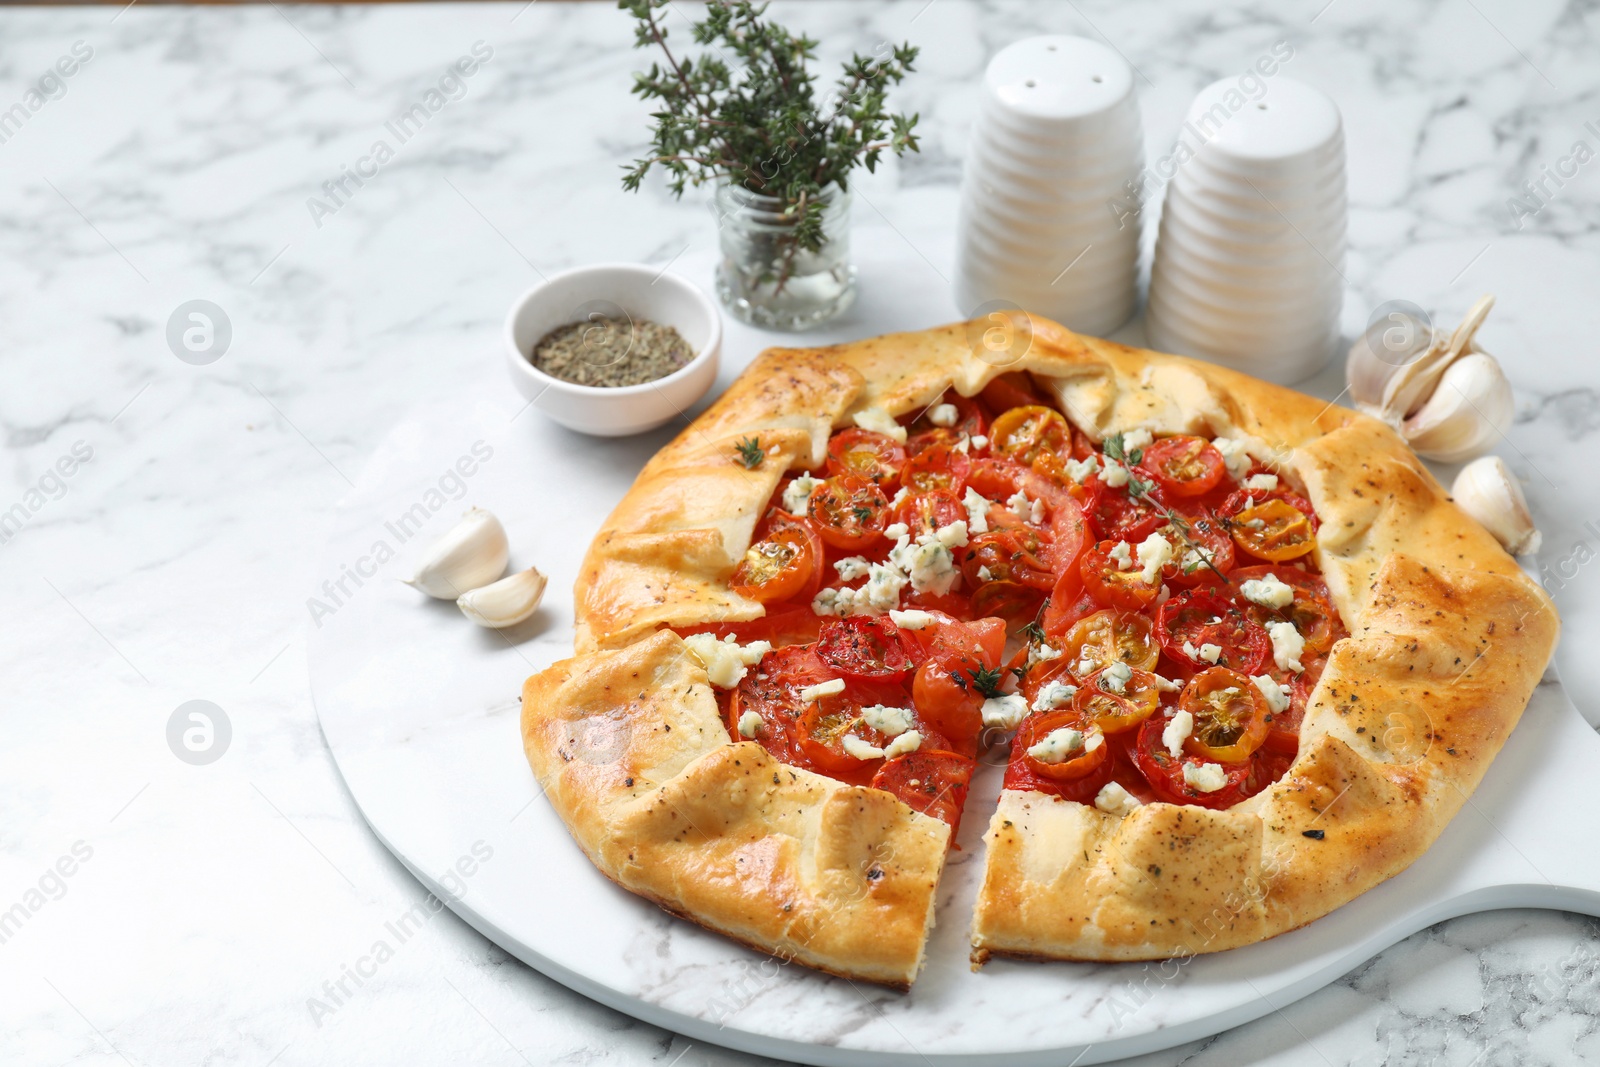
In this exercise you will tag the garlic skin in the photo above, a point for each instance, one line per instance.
(1488, 491)
(474, 553)
(1450, 402)
(504, 603)
(1470, 409)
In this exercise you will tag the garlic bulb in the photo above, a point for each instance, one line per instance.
(1488, 491)
(1450, 402)
(506, 602)
(472, 554)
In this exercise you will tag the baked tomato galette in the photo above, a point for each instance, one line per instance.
(1248, 657)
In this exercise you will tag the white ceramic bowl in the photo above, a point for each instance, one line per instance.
(640, 293)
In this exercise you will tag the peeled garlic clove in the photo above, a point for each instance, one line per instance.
(472, 554)
(506, 602)
(1488, 491)
(1468, 412)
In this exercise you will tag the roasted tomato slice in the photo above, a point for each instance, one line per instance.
(1205, 558)
(924, 513)
(779, 566)
(939, 466)
(1023, 434)
(864, 646)
(1019, 554)
(1120, 516)
(870, 455)
(1184, 466)
(1108, 637)
(1280, 527)
(970, 418)
(1311, 610)
(1231, 719)
(1112, 575)
(934, 783)
(1059, 745)
(1189, 622)
(1116, 710)
(1165, 773)
(849, 511)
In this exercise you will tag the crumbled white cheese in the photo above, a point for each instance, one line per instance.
(954, 535)
(907, 742)
(1208, 652)
(1041, 652)
(1004, 712)
(797, 494)
(839, 602)
(822, 689)
(1268, 482)
(882, 591)
(1079, 469)
(929, 565)
(1204, 777)
(749, 724)
(1269, 592)
(1155, 552)
(1277, 696)
(1036, 512)
(979, 441)
(1136, 440)
(1115, 800)
(984, 573)
(1115, 474)
(978, 507)
(896, 530)
(1177, 732)
(854, 746)
(898, 498)
(962, 445)
(1053, 695)
(889, 721)
(1234, 456)
(943, 414)
(852, 567)
(1057, 745)
(1122, 554)
(1195, 558)
(1114, 679)
(726, 661)
(1166, 685)
(880, 421)
(912, 619)
(1287, 644)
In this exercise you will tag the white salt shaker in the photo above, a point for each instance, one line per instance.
(1248, 266)
(1055, 145)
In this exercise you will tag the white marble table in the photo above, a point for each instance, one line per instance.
(210, 910)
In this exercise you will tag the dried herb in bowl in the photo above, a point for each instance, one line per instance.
(611, 353)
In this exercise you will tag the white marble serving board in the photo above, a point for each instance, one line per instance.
(420, 710)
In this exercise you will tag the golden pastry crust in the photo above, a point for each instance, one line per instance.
(1448, 638)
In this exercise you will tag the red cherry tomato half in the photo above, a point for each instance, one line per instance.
(1013, 389)
(1212, 542)
(1311, 610)
(870, 455)
(970, 417)
(1019, 554)
(938, 466)
(773, 693)
(777, 567)
(1164, 772)
(864, 646)
(1184, 466)
(1114, 585)
(1120, 516)
(826, 721)
(924, 513)
(1196, 619)
(1022, 434)
(1088, 755)
(849, 511)
(934, 783)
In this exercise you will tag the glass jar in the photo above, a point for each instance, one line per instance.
(765, 277)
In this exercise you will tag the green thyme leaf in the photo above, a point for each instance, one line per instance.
(986, 680)
(750, 453)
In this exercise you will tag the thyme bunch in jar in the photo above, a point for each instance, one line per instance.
(747, 115)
